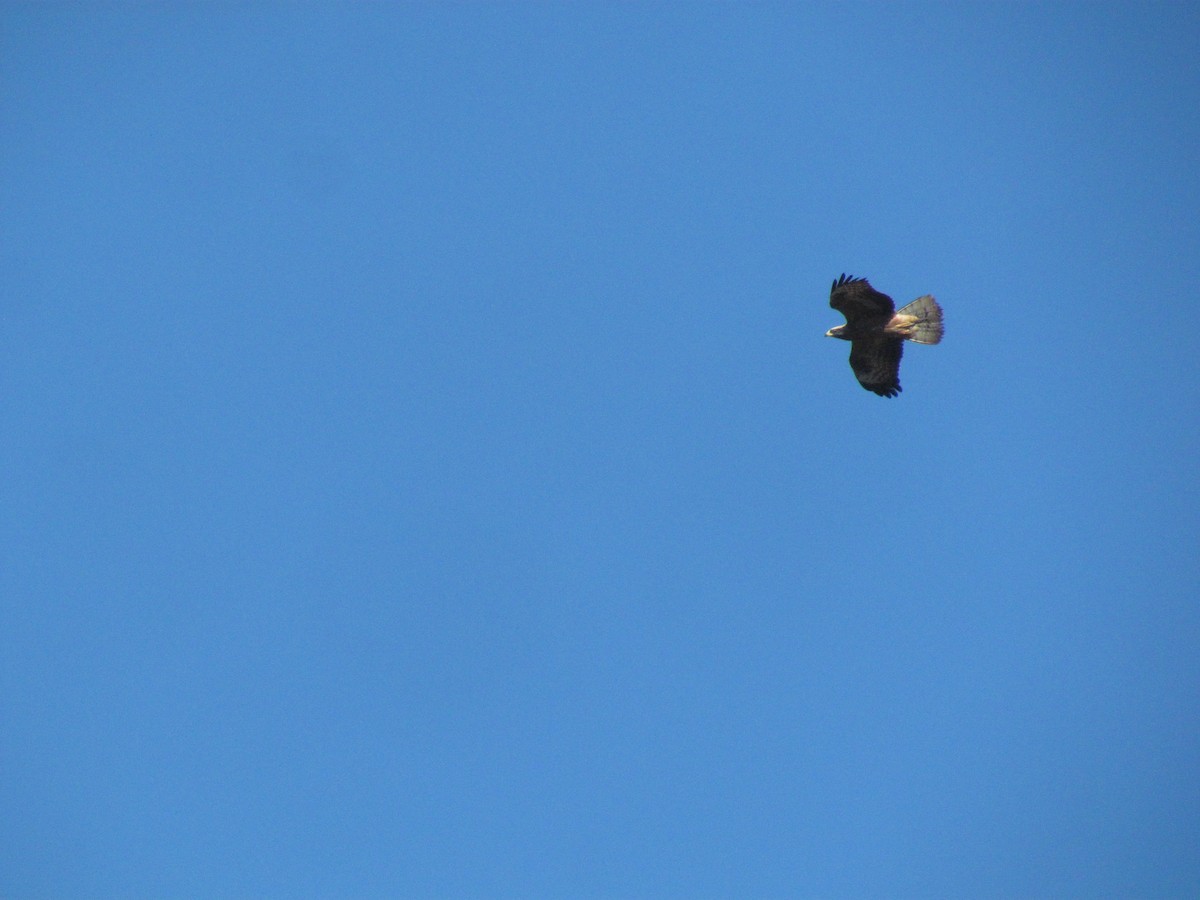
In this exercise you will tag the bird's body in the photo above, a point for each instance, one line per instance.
(877, 331)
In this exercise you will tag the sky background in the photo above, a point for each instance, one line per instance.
(425, 475)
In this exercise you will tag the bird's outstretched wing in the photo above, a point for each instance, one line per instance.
(856, 300)
(876, 363)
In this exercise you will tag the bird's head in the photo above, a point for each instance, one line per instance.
(836, 331)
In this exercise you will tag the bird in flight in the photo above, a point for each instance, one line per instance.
(877, 332)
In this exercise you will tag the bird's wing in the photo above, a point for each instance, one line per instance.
(876, 363)
(856, 299)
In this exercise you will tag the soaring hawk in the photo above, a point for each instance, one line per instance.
(877, 332)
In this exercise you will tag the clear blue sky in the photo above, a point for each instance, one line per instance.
(425, 475)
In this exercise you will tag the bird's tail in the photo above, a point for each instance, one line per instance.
(928, 328)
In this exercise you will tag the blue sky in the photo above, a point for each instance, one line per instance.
(426, 475)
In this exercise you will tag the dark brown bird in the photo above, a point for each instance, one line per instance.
(877, 332)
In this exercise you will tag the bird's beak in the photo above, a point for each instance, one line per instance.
(829, 333)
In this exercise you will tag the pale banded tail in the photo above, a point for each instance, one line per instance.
(928, 328)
